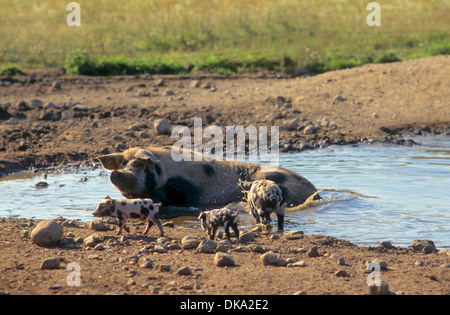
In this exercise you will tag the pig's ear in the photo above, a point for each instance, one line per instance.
(107, 197)
(144, 154)
(111, 161)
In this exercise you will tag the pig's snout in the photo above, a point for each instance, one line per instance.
(122, 180)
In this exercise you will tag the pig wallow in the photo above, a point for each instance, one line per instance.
(213, 219)
(123, 209)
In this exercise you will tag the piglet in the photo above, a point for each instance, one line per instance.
(212, 219)
(123, 209)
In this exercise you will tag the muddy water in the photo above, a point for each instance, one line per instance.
(371, 193)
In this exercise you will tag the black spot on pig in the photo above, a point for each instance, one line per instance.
(208, 170)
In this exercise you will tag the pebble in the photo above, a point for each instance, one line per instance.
(383, 289)
(382, 263)
(271, 259)
(50, 263)
(161, 126)
(40, 185)
(247, 237)
(386, 244)
(98, 225)
(313, 251)
(190, 242)
(294, 235)
(425, 246)
(184, 271)
(300, 263)
(91, 240)
(164, 268)
(309, 130)
(341, 273)
(145, 263)
(47, 232)
(223, 260)
(206, 246)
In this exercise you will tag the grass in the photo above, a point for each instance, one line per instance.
(228, 36)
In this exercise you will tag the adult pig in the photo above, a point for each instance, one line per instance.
(153, 173)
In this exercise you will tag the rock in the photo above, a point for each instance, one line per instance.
(426, 246)
(382, 263)
(386, 244)
(56, 85)
(271, 259)
(144, 135)
(375, 115)
(300, 263)
(99, 247)
(98, 225)
(207, 85)
(223, 260)
(160, 82)
(162, 126)
(23, 106)
(290, 125)
(41, 185)
(313, 251)
(36, 104)
(294, 235)
(341, 273)
(247, 237)
(164, 268)
(50, 263)
(206, 246)
(195, 84)
(338, 99)
(145, 263)
(189, 242)
(169, 93)
(309, 130)
(184, 271)
(47, 232)
(91, 240)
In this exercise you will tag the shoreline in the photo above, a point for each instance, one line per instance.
(136, 264)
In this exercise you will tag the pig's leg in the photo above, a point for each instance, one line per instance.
(149, 225)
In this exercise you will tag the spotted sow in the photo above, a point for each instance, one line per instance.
(123, 209)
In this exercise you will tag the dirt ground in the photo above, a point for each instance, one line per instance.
(75, 119)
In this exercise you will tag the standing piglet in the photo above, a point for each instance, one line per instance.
(212, 219)
(123, 209)
(265, 197)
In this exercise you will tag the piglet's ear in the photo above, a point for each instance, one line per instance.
(107, 197)
(144, 154)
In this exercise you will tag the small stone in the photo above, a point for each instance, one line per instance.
(162, 126)
(47, 232)
(386, 244)
(309, 130)
(294, 235)
(195, 84)
(165, 268)
(426, 246)
(40, 185)
(144, 135)
(338, 99)
(206, 246)
(37, 104)
(190, 242)
(223, 260)
(247, 237)
(418, 263)
(382, 263)
(169, 93)
(375, 115)
(184, 271)
(98, 225)
(298, 250)
(445, 265)
(341, 273)
(56, 85)
(300, 263)
(99, 247)
(160, 249)
(313, 251)
(160, 82)
(271, 259)
(145, 263)
(91, 240)
(50, 263)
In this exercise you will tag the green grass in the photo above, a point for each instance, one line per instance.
(228, 36)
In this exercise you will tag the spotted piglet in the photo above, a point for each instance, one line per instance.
(123, 209)
(265, 197)
(212, 219)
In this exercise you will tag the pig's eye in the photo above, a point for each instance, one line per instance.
(124, 163)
